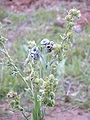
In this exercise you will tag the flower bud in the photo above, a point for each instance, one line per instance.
(52, 95)
(37, 80)
(71, 24)
(17, 102)
(20, 108)
(31, 44)
(14, 94)
(12, 103)
(70, 35)
(17, 106)
(68, 17)
(75, 12)
(44, 41)
(17, 98)
(52, 102)
(51, 76)
(60, 57)
(34, 53)
(57, 48)
(10, 94)
(79, 14)
(50, 46)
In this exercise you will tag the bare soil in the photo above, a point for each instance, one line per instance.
(30, 5)
(52, 114)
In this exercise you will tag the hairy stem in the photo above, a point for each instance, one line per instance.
(12, 63)
(24, 116)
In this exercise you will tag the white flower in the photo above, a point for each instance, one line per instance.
(44, 41)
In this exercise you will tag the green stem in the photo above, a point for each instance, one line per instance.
(24, 116)
(11, 61)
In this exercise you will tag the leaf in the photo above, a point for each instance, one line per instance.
(37, 112)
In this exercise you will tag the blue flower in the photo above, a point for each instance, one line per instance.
(50, 46)
(34, 49)
(34, 53)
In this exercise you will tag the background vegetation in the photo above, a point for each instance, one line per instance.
(20, 28)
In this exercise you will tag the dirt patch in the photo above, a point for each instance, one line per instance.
(58, 114)
(52, 114)
(30, 5)
(23, 5)
(7, 114)
(85, 17)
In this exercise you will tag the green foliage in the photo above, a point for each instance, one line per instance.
(38, 68)
(49, 88)
(75, 59)
(17, 18)
(3, 13)
(74, 69)
(37, 112)
(44, 15)
(9, 81)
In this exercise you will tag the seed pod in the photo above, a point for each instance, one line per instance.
(31, 44)
(70, 35)
(52, 102)
(37, 80)
(57, 48)
(68, 17)
(12, 103)
(20, 108)
(14, 94)
(71, 24)
(52, 95)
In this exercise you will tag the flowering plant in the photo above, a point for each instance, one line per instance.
(41, 69)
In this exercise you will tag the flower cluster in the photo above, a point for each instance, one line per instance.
(49, 91)
(45, 90)
(34, 53)
(73, 13)
(67, 38)
(45, 41)
(2, 40)
(11, 94)
(42, 64)
(38, 85)
(31, 44)
(14, 101)
(58, 50)
(49, 45)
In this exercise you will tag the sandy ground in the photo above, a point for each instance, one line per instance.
(55, 114)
